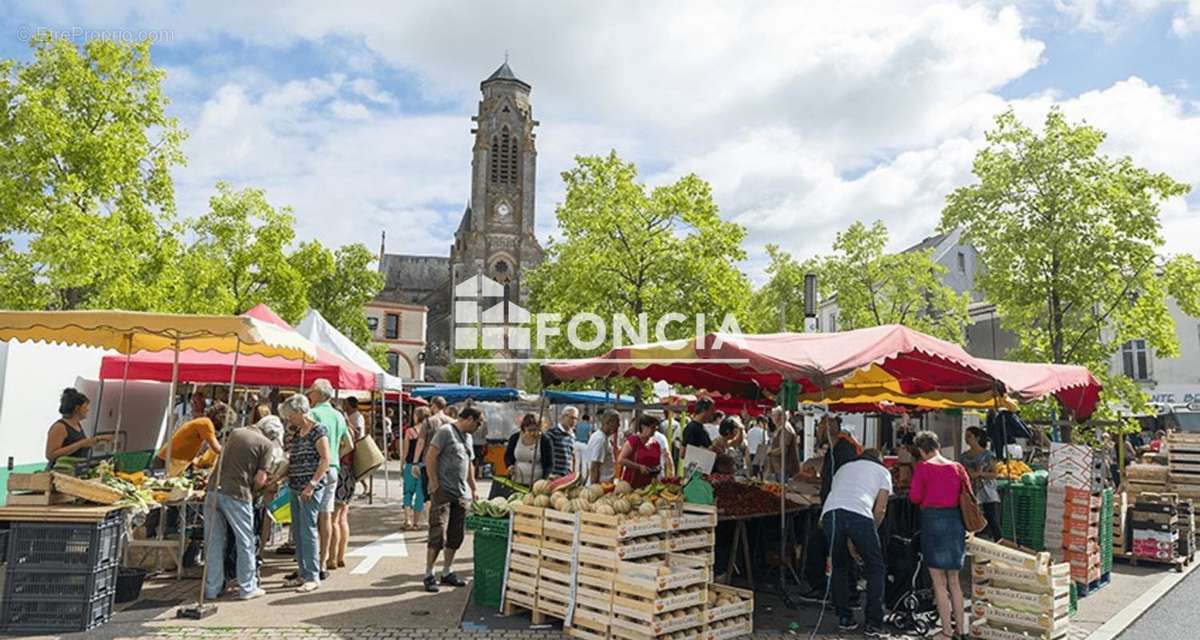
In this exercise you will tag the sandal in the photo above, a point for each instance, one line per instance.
(308, 587)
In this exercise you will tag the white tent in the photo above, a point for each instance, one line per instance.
(317, 329)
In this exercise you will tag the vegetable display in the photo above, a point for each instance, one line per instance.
(1012, 470)
(741, 499)
(495, 508)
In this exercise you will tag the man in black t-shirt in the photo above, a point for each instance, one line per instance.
(694, 433)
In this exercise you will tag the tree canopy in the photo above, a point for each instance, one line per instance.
(870, 287)
(623, 248)
(86, 152)
(1070, 242)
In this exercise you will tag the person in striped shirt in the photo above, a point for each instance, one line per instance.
(562, 436)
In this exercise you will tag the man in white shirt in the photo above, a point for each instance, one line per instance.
(599, 455)
(756, 437)
(855, 507)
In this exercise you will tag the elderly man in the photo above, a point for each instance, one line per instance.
(451, 484)
(340, 441)
(245, 468)
(562, 436)
(600, 455)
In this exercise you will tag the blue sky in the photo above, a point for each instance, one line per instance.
(803, 117)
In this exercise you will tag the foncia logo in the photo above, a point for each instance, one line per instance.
(484, 317)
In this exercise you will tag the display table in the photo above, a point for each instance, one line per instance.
(176, 546)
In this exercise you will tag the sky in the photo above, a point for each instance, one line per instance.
(804, 116)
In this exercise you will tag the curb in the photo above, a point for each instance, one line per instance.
(1140, 606)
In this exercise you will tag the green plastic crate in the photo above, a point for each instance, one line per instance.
(491, 551)
(132, 461)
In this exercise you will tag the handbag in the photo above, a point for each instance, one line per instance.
(972, 514)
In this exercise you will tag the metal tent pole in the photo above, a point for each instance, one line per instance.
(124, 383)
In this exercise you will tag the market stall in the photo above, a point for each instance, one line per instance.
(50, 553)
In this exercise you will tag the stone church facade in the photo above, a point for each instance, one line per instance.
(495, 236)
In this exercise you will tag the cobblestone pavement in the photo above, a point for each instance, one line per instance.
(360, 633)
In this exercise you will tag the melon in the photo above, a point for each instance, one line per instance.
(541, 487)
(565, 482)
(621, 506)
(647, 509)
(605, 510)
(622, 487)
(541, 501)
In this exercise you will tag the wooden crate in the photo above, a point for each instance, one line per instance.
(608, 548)
(554, 572)
(653, 625)
(1054, 605)
(743, 606)
(580, 632)
(688, 540)
(1056, 582)
(983, 631)
(558, 531)
(527, 520)
(634, 606)
(622, 528)
(596, 573)
(649, 580)
(735, 628)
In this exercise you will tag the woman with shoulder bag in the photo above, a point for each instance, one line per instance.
(942, 489)
(414, 479)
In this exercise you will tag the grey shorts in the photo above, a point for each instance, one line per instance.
(327, 499)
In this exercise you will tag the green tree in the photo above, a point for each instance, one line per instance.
(239, 259)
(1069, 240)
(778, 305)
(338, 284)
(629, 250)
(86, 151)
(874, 287)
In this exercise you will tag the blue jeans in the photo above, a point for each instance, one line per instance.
(304, 523)
(840, 527)
(414, 496)
(224, 512)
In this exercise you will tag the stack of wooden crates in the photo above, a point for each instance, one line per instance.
(1183, 460)
(1154, 521)
(1074, 501)
(610, 577)
(1017, 595)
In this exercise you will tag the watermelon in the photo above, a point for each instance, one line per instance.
(565, 482)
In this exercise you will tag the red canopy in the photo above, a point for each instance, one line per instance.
(214, 368)
(1074, 386)
(895, 356)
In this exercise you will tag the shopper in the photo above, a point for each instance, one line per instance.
(783, 457)
(451, 484)
(600, 448)
(529, 455)
(319, 395)
(272, 429)
(244, 469)
(980, 463)
(641, 455)
(852, 513)
(840, 449)
(414, 449)
(308, 479)
(756, 438)
(936, 485)
(695, 433)
(562, 436)
(729, 446)
(66, 436)
(583, 430)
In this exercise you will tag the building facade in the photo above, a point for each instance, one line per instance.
(401, 329)
(495, 236)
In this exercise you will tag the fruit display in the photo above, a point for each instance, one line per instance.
(1012, 470)
(619, 498)
(740, 499)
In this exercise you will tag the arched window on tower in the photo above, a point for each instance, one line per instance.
(502, 167)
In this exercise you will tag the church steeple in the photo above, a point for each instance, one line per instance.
(504, 74)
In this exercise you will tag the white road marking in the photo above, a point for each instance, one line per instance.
(389, 546)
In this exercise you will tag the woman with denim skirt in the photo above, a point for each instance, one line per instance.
(936, 485)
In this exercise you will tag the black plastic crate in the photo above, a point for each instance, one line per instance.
(4, 545)
(50, 616)
(64, 546)
(83, 586)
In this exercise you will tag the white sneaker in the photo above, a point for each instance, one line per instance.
(257, 593)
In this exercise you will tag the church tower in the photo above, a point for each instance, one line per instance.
(496, 234)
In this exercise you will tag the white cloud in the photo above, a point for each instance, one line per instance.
(1187, 21)
(804, 116)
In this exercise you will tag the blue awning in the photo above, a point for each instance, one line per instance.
(589, 397)
(458, 393)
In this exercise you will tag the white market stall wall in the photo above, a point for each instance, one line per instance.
(32, 377)
(145, 411)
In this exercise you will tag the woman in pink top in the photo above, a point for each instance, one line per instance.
(936, 485)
